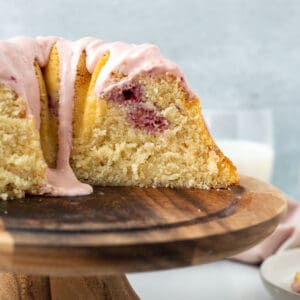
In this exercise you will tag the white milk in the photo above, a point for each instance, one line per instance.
(251, 158)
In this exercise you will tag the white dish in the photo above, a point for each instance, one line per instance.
(277, 273)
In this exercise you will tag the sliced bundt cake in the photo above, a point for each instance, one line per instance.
(119, 114)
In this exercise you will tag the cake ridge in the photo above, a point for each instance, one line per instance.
(62, 180)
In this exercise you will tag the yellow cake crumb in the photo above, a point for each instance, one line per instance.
(22, 168)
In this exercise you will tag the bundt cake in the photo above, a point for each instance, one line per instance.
(82, 113)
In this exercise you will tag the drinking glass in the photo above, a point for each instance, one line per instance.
(246, 137)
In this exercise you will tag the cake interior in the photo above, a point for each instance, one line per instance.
(22, 168)
(147, 132)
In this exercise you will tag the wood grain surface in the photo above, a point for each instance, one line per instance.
(28, 287)
(118, 230)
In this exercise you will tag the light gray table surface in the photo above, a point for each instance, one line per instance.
(220, 280)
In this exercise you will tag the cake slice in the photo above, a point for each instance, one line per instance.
(144, 127)
(22, 168)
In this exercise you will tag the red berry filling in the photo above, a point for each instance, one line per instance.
(132, 95)
(147, 119)
(132, 92)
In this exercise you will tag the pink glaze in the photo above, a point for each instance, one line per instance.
(296, 287)
(63, 181)
(17, 71)
(131, 60)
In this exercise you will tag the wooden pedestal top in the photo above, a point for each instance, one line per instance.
(126, 229)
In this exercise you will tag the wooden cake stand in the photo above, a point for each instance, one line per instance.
(80, 248)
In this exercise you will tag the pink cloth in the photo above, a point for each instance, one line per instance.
(286, 235)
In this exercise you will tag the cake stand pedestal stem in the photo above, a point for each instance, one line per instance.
(28, 287)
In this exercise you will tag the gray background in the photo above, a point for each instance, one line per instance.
(235, 53)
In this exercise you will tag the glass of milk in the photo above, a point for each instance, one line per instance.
(246, 137)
